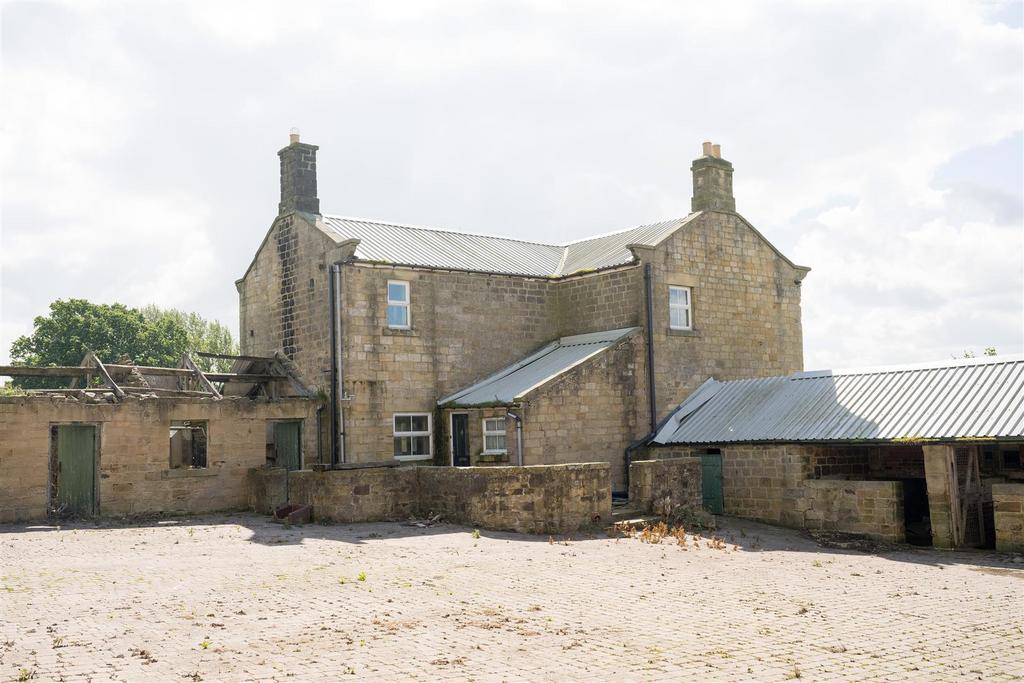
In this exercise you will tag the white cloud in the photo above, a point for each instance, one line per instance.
(140, 139)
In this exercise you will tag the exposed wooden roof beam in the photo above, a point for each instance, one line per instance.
(102, 371)
(190, 364)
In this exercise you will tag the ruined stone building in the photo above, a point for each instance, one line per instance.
(459, 349)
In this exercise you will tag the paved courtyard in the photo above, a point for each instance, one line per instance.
(233, 597)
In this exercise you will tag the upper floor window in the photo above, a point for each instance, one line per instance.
(494, 436)
(680, 309)
(398, 305)
(412, 436)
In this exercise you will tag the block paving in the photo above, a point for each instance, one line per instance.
(234, 597)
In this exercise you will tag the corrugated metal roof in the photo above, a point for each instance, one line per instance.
(435, 248)
(976, 398)
(514, 381)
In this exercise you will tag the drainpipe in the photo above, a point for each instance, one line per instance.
(519, 437)
(651, 389)
(652, 396)
(337, 378)
(319, 434)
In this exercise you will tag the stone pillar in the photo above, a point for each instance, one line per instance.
(940, 508)
(1008, 506)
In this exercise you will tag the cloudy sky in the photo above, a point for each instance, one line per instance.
(879, 143)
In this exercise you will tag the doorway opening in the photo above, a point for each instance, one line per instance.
(460, 439)
(73, 454)
(916, 514)
(284, 444)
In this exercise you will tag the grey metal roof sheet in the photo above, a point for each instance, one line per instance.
(956, 399)
(437, 248)
(516, 380)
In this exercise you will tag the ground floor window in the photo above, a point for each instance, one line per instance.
(494, 436)
(413, 436)
(188, 444)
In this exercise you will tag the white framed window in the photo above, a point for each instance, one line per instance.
(680, 309)
(413, 436)
(398, 305)
(494, 436)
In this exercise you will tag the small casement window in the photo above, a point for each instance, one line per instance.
(188, 444)
(398, 305)
(494, 436)
(412, 436)
(680, 310)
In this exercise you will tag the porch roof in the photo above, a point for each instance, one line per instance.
(512, 382)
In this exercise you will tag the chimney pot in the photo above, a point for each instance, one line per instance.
(716, 151)
(707, 149)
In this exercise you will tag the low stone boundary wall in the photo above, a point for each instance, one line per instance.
(534, 499)
(872, 508)
(1008, 506)
(357, 495)
(659, 486)
(267, 489)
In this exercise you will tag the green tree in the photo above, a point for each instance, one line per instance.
(77, 326)
(148, 337)
(989, 351)
(202, 335)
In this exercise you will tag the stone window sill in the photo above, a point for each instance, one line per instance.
(413, 458)
(492, 457)
(683, 333)
(185, 472)
(398, 332)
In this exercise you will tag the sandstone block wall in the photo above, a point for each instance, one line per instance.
(357, 495)
(1008, 507)
(535, 499)
(133, 472)
(665, 483)
(267, 489)
(588, 414)
(543, 499)
(746, 307)
(872, 508)
(464, 327)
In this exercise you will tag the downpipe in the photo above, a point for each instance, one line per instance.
(652, 396)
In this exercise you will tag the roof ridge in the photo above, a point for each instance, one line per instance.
(909, 367)
(427, 228)
(619, 232)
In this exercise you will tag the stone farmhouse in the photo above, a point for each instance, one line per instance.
(464, 349)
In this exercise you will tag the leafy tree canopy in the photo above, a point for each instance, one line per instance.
(201, 334)
(113, 331)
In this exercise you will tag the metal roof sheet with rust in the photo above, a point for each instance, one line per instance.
(446, 249)
(979, 398)
(513, 382)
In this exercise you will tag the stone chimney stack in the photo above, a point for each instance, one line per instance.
(298, 176)
(712, 181)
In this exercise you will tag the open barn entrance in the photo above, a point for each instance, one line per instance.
(902, 463)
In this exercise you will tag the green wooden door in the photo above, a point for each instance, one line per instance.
(76, 469)
(711, 476)
(287, 444)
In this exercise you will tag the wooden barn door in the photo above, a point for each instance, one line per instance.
(967, 515)
(76, 470)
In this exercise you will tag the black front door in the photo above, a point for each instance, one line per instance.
(460, 440)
